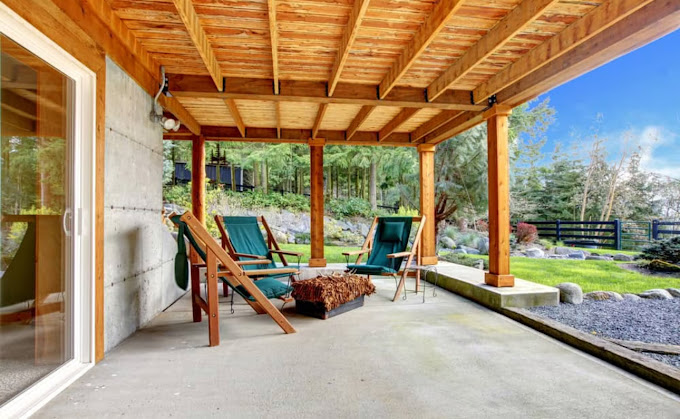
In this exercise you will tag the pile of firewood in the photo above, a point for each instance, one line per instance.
(333, 290)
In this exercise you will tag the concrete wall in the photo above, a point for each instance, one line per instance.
(138, 249)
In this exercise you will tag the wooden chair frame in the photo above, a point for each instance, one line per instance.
(218, 258)
(415, 252)
(272, 244)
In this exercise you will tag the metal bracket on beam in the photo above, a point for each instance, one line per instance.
(492, 100)
(472, 97)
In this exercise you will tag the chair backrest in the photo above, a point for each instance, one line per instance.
(391, 236)
(246, 237)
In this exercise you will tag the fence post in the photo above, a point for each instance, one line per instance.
(617, 234)
(655, 229)
(558, 233)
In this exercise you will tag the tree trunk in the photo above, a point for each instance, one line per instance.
(349, 182)
(372, 178)
(264, 176)
(240, 175)
(256, 176)
(356, 182)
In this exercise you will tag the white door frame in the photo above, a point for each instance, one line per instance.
(83, 155)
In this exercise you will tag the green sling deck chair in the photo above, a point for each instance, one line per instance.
(221, 266)
(243, 240)
(386, 245)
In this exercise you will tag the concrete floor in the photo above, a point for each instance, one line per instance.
(447, 358)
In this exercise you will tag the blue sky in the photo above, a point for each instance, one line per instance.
(635, 96)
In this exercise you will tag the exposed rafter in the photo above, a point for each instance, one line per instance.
(188, 15)
(233, 109)
(396, 122)
(355, 17)
(359, 119)
(426, 33)
(319, 118)
(434, 123)
(274, 39)
(461, 123)
(597, 21)
(496, 38)
(315, 92)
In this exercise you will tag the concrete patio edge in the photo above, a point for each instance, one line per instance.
(644, 367)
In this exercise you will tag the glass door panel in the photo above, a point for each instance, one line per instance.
(36, 136)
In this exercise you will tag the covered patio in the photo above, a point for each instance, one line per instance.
(448, 357)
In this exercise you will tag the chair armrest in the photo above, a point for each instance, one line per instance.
(399, 255)
(253, 262)
(286, 252)
(356, 252)
(263, 272)
(246, 255)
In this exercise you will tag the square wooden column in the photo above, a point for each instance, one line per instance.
(428, 251)
(316, 145)
(198, 177)
(499, 197)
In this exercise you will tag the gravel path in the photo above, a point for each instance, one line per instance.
(653, 321)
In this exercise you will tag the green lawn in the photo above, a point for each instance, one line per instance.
(591, 275)
(608, 251)
(333, 254)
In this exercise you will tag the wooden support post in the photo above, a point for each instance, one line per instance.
(429, 245)
(198, 178)
(317, 258)
(499, 197)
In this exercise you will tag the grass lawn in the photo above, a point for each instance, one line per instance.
(333, 254)
(608, 251)
(591, 275)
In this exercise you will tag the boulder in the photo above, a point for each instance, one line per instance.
(461, 251)
(558, 257)
(559, 250)
(623, 258)
(447, 242)
(280, 236)
(656, 294)
(479, 264)
(483, 245)
(596, 257)
(675, 292)
(535, 252)
(603, 296)
(631, 297)
(470, 250)
(570, 293)
(579, 254)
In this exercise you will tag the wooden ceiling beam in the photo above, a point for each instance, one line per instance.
(319, 119)
(278, 119)
(595, 22)
(274, 40)
(351, 30)
(198, 36)
(359, 119)
(640, 28)
(427, 32)
(295, 136)
(233, 109)
(461, 123)
(315, 92)
(518, 19)
(396, 122)
(434, 123)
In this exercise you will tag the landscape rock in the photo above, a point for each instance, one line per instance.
(623, 258)
(470, 250)
(479, 264)
(534, 252)
(559, 250)
(675, 292)
(447, 242)
(603, 296)
(579, 254)
(570, 293)
(558, 257)
(656, 294)
(280, 236)
(483, 245)
(461, 251)
(631, 297)
(596, 257)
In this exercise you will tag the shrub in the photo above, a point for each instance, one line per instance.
(407, 212)
(526, 233)
(343, 208)
(547, 244)
(665, 250)
(482, 226)
(460, 259)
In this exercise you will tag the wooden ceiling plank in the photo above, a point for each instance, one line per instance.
(319, 118)
(434, 123)
(278, 119)
(427, 32)
(598, 20)
(396, 122)
(649, 23)
(274, 40)
(359, 119)
(349, 35)
(315, 92)
(516, 21)
(233, 109)
(189, 17)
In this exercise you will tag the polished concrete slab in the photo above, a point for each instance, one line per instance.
(446, 358)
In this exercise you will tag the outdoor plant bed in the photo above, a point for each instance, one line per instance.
(329, 295)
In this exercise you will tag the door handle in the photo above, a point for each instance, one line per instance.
(67, 214)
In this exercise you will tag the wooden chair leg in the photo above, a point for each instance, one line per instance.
(195, 292)
(213, 301)
(401, 285)
(225, 289)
